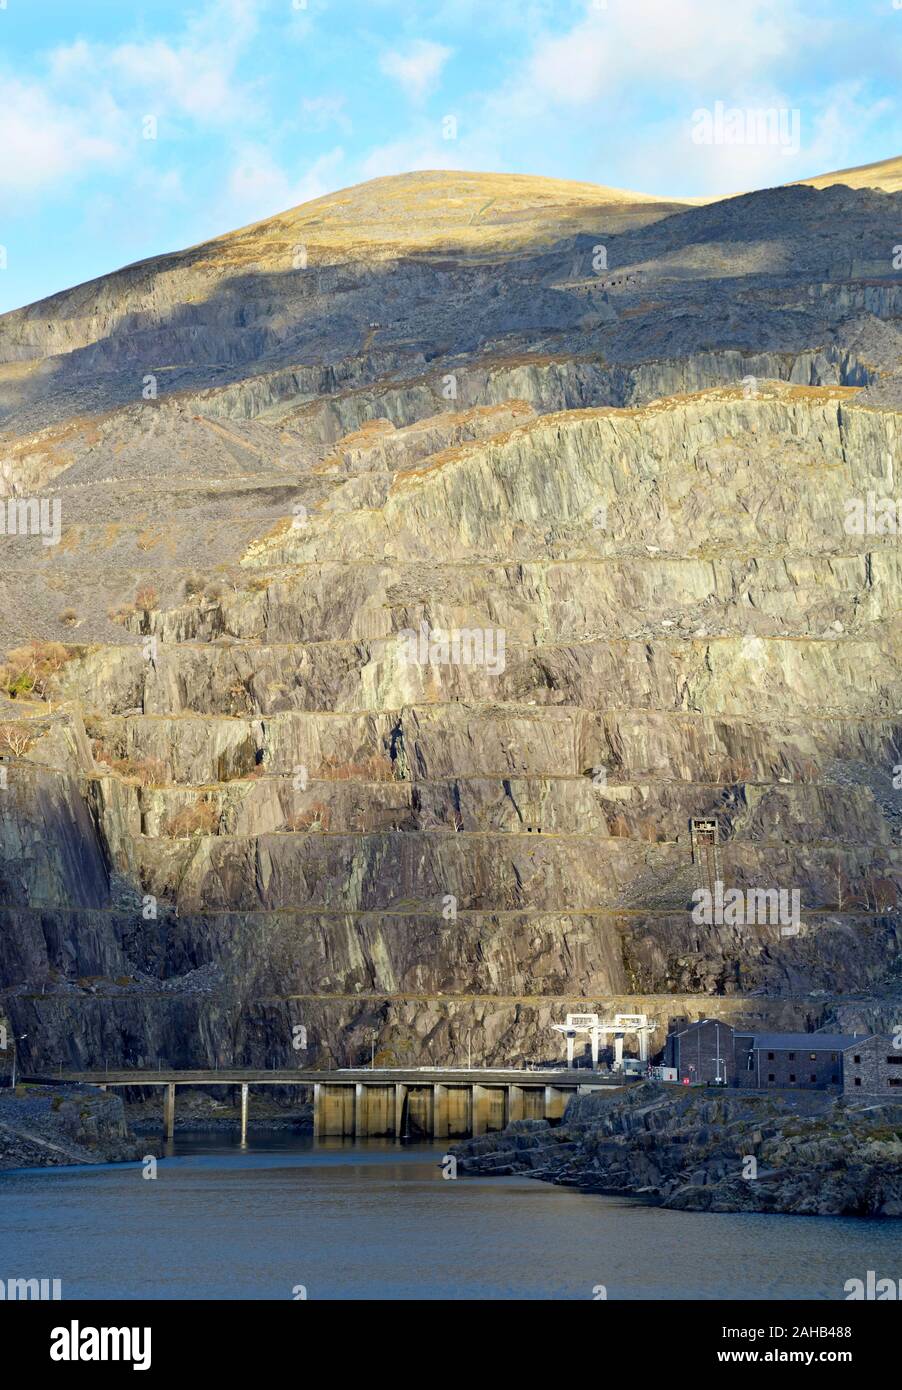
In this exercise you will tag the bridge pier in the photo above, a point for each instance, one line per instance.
(419, 1110)
(169, 1110)
(478, 1110)
(555, 1102)
(334, 1110)
(400, 1096)
(244, 1109)
(440, 1111)
(375, 1109)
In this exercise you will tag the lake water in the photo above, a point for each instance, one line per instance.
(378, 1220)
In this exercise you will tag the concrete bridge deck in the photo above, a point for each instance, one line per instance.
(444, 1102)
(308, 1076)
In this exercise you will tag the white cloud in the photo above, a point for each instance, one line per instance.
(828, 130)
(44, 142)
(317, 113)
(406, 156)
(837, 125)
(417, 67)
(193, 82)
(682, 42)
(259, 187)
(193, 76)
(619, 85)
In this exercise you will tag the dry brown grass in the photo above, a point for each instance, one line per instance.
(145, 772)
(476, 214)
(200, 819)
(31, 671)
(146, 598)
(886, 174)
(318, 816)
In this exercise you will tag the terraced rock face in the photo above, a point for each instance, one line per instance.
(411, 603)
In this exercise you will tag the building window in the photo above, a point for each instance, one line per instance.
(833, 1057)
(812, 1077)
(770, 1076)
(792, 1056)
(858, 1081)
(895, 1061)
(812, 1056)
(792, 1076)
(834, 1080)
(895, 1081)
(770, 1056)
(857, 1061)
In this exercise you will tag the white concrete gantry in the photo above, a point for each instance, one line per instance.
(577, 1024)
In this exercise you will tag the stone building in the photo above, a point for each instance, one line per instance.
(807, 1061)
(872, 1066)
(709, 1051)
(702, 1051)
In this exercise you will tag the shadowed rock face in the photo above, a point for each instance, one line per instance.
(471, 566)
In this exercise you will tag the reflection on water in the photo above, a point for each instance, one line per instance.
(377, 1220)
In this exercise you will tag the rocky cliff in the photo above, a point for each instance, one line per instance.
(427, 560)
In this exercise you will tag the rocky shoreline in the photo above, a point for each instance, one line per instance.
(55, 1126)
(52, 1126)
(800, 1153)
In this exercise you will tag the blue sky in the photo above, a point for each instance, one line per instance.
(262, 104)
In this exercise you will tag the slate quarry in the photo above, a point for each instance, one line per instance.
(233, 808)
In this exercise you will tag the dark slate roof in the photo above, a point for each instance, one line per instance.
(690, 1027)
(810, 1042)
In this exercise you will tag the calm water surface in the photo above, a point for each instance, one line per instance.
(376, 1220)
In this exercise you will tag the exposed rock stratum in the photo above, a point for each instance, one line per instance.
(617, 434)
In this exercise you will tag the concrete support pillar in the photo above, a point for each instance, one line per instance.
(400, 1093)
(317, 1109)
(555, 1102)
(244, 1106)
(440, 1112)
(618, 1052)
(570, 1043)
(169, 1110)
(478, 1110)
(457, 1108)
(643, 1045)
(361, 1128)
(515, 1104)
(595, 1049)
